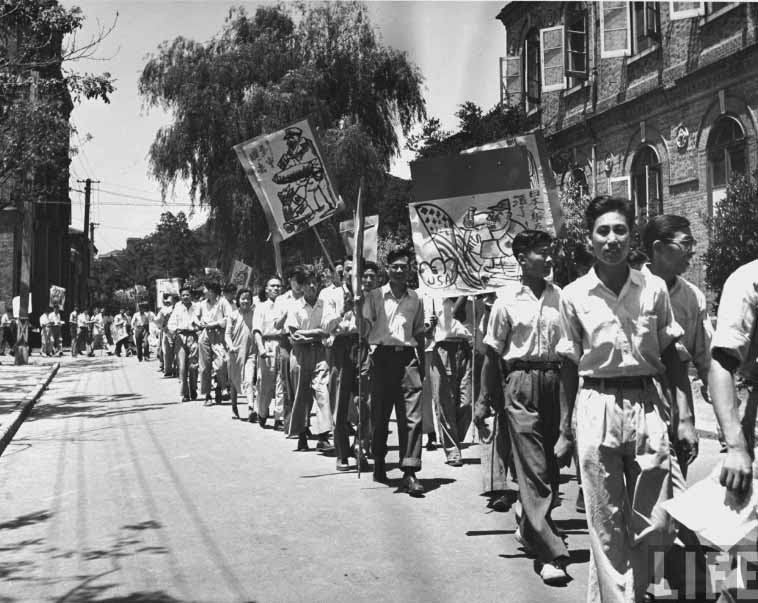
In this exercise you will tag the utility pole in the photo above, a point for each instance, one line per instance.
(89, 235)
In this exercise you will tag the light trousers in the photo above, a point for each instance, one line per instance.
(624, 453)
(270, 395)
(310, 376)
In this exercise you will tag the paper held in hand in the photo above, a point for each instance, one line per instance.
(716, 515)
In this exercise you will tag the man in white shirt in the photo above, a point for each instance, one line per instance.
(182, 327)
(44, 331)
(6, 333)
(55, 324)
(83, 335)
(72, 329)
(166, 342)
(268, 340)
(308, 366)
(212, 314)
(140, 325)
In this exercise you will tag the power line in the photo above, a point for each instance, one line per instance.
(128, 188)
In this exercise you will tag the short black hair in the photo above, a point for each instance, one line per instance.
(369, 265)
(215, 287)
(185, 288)
(241, 292)
(583, 256)
(307, 274)
(230, 288)
(604, 204)
(273, 277)
(296, 273)
(529, 240)
(662, 228)
(398, 252)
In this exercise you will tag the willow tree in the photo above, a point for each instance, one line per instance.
(260, 73)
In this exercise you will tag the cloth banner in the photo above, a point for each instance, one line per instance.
(469, 209)
(370, 230)
(165, 286)
(287, 173)
(241, 275)
(540, 174)
(16, 305)
(57, 296)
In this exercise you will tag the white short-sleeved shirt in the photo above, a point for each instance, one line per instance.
(393, 321)
(448, 327)
(523, 327)
(265, 315)
(617, 336)
(737, 318)
(691, 313)
(304, 316)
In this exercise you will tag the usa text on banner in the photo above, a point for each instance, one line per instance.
(166, 286)
(241, 274)
(370, 228)
(469, 209)
(540, 174)
(287, 172)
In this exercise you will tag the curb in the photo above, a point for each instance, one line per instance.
(23, 409)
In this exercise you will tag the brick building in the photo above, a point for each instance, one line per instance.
(652, 100)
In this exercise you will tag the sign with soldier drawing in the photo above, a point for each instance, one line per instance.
(287, 172)
(241, 275)
(468, 210)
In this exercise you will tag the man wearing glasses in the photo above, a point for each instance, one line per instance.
(394, 318)
(669, 244)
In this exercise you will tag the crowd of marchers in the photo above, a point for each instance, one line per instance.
(596, 373)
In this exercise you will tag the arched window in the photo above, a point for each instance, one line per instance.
(647, 187)
(532, 67)
(726, 156)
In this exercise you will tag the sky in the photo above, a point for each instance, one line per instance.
(456, 45)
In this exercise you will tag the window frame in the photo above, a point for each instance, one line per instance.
(543, 63)
(532, 102)
(725, 150)
(620, 52)
(651, 24)
(636, 173)
(573, 14)
(687, 13)
(627, 179)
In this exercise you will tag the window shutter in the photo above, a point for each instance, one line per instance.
(615, 29)
(575, 47)
(686, 10)
(511, 66)
(620, 187)
(553, 68)
(653, 20)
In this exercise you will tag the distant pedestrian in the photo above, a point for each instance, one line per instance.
(212, 314)
(121, 334)
(140, 324)
(6, 333)
(270, 395)
(240, 345)
(183, 328)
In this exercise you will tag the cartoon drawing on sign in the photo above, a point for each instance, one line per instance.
(478, 253)
(301, 170)
(489, 236)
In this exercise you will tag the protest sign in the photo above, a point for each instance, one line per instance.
(240, 275)
(57, 296)
(165, 286)
(370, 230)
(469, 209)
(287, 173)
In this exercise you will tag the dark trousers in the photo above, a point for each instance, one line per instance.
(83, 341)
(533, 410)
(396, 382)
(344, 389)
(140, 338)
(6, 337)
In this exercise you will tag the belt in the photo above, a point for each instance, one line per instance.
(310, 344)
(272, 337)
(395, 348)
(451, 343)
(534, 365)
(613, 382)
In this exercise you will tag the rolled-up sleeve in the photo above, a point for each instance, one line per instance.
(669, 331)
(498, 327)
(570, 344)
(736, 316)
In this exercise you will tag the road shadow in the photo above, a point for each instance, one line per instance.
(26, 520)
(571, 526)
(490, 532)
(578, 556)
(94, 407)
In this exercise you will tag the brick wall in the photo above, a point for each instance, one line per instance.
(703, 67)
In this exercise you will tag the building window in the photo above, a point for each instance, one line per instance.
(726, 156)
(647, 187)
(532, 67)
(646, 25)
(576, 44)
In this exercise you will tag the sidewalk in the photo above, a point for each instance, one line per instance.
(20, 388)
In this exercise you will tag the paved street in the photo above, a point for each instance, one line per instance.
(112, 491)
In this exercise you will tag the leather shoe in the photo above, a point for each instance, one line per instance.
(412, 486)
(380, 475)
(302, 443)
(324, 446)
(455, 462)
(262, 421)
